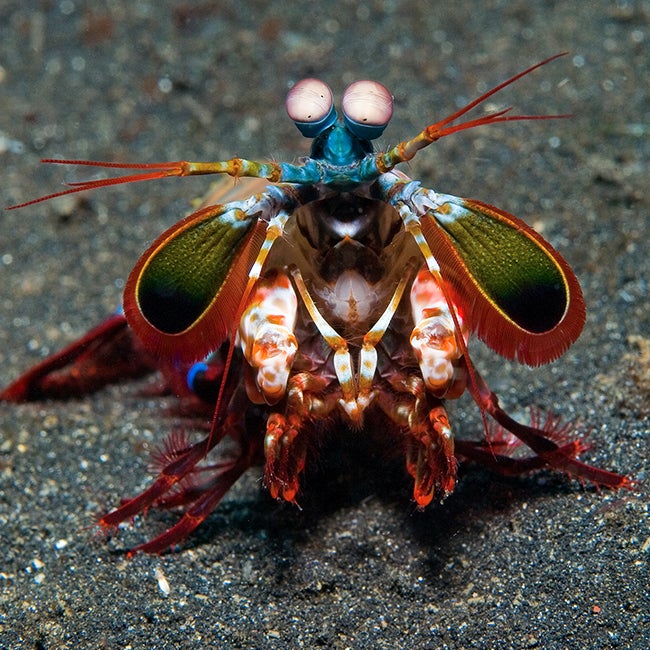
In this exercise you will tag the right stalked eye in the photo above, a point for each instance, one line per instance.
(311, 106)
(367, 108)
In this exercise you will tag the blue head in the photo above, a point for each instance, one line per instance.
(367, 109)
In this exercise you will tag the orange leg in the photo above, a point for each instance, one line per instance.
(285, 450)
(430, 458)
(285, 443)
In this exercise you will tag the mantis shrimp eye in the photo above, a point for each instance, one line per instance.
(367, 109)
(311, 106)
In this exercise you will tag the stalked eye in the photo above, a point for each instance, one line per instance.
(367, 109)
(311, 106)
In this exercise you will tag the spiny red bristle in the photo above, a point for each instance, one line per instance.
(505, 443)
(176, 444)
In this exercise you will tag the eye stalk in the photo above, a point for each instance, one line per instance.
(311, 106)
(367, 109)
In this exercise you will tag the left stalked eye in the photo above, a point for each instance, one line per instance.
(311, 106)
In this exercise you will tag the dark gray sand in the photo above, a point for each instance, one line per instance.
(536, 562)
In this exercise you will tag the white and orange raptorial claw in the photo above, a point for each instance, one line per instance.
(266, 334)
(434, 337)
